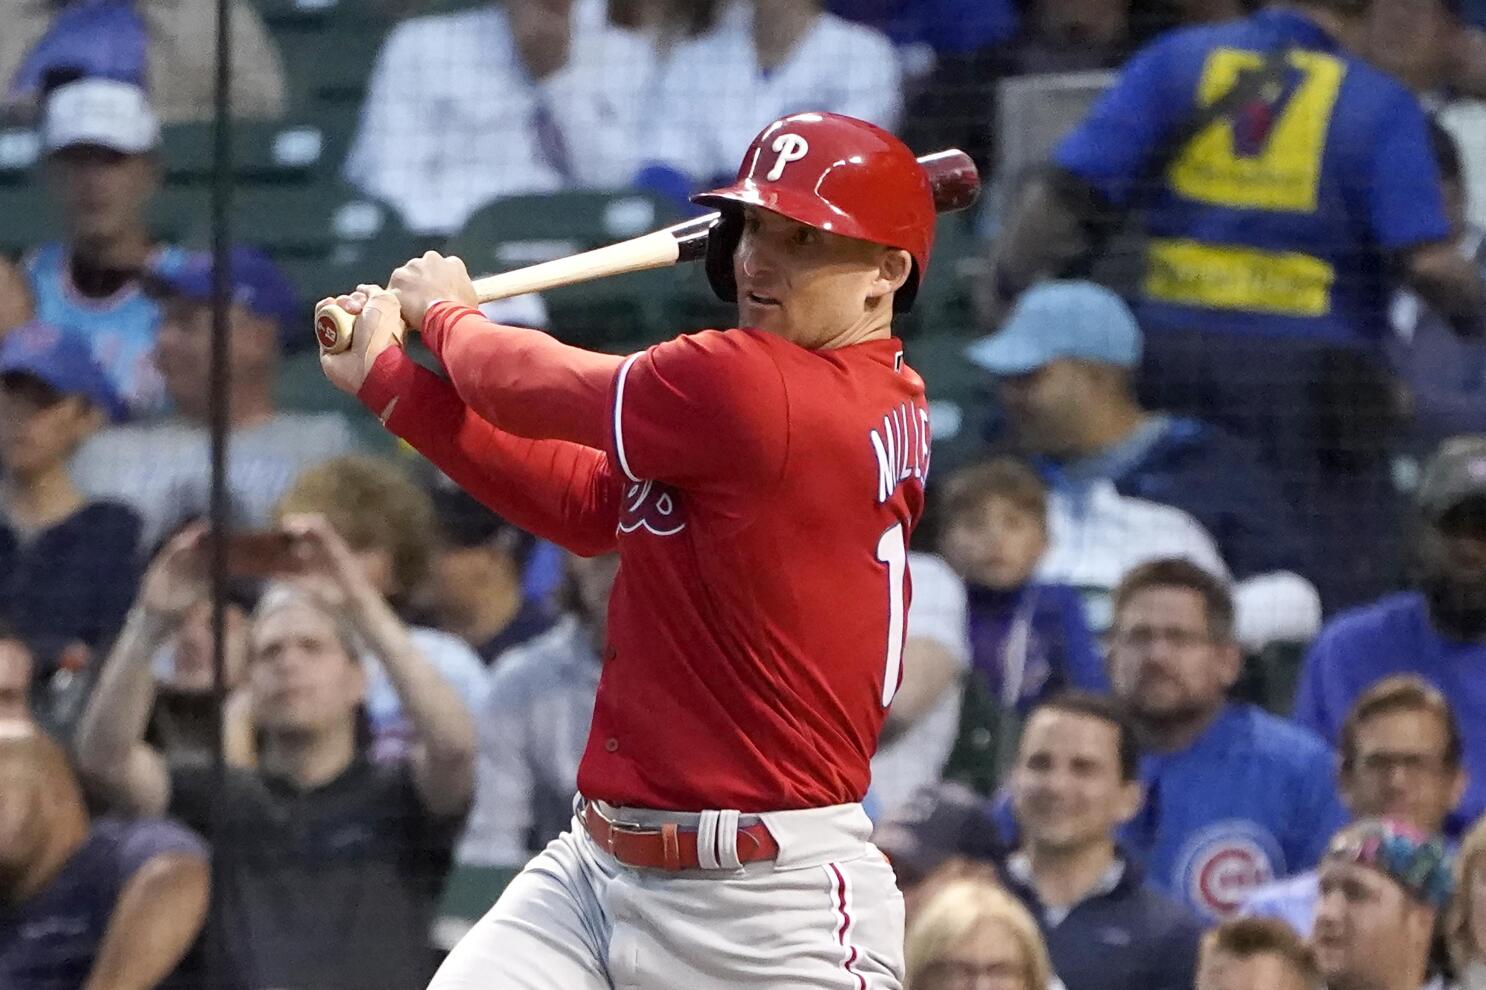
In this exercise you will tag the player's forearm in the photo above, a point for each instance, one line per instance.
(158, 914)
(523, 381)
(560, 491)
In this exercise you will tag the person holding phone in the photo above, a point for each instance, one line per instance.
(336, 859)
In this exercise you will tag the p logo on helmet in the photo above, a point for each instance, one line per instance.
(790, 148)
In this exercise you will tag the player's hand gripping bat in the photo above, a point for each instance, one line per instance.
(952, 177)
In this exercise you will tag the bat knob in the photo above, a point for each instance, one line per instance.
(333, 328)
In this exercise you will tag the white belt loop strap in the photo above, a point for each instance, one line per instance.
(727, 840)
(707, 840)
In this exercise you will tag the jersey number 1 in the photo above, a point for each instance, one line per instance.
(892, 550)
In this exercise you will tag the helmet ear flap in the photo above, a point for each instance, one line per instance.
(722, 242)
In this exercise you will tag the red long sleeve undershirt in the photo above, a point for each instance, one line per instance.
(521, 425)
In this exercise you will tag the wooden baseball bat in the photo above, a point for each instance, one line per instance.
(952, 177)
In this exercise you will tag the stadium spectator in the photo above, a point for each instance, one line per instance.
(168, 46)
(68, 564)
(1465, 921)
(476, 577)
(1063, 363)
(1417, 41)
(1383, 885)
(101, 137)
(1444, 377)
(1076, 782)
(971, 933)
(387, 520)
(1235, 797)
(921, 727)
(108, 903)
(763, 59)
(1274, 216)
(15, 297)
(1437, 631)
(1255, 954)
(1400, 758)
(944, 823)
(162, 469)
(956, 106)
(16, 666)
(1028, 638)
(551, 107)
(332, 862)
(534, 726)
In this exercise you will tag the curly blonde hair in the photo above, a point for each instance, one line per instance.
(374, 505)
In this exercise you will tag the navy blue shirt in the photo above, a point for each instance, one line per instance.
(1214, 477)
(1125, 935)
(50, 941)
(1042, 628)
(73, 581)
(1394, 636)
(1275, 223)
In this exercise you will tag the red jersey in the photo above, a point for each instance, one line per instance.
(760, 496)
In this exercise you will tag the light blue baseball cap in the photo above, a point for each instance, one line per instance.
(1061, 319)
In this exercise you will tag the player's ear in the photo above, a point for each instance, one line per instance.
(893, 267)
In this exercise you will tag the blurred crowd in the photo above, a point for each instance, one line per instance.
(1189, 692)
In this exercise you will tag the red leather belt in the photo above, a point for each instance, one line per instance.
(668, 847)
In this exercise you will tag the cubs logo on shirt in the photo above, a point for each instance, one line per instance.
(657, 508)
(1220, 865)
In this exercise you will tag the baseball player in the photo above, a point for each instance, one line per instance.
(760, 485)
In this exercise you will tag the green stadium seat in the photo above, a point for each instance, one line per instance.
(943, 303)
(20, 153)
(525, 230)
(309, 220)
(26, 219)
(956, 395)
(293, 151)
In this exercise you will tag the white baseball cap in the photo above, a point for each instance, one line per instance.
(103, 112)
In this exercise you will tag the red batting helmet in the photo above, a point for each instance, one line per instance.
(834, 173)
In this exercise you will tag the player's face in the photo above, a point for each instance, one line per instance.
(996, 544)
(807, 285)
(301, 677)
(103, 194)
(1066, 789)
(1399, 770)
(39, 428)
(990, 956)
(1163, 660)
(1367, 931)
(1219, 970)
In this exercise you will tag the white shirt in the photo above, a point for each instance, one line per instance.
(938, 613)
(714, 98)
(163, 470)
(1096, 537)
(533, 729)
(449, 119)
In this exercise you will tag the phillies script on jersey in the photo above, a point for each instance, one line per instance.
(761, 497)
